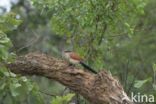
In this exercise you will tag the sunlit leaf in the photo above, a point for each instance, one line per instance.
(62, 99)
(140, 83)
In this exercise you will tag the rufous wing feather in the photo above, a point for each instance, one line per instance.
(75, 56)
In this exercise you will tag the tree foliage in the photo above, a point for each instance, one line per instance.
(13, 88)
(115, 35)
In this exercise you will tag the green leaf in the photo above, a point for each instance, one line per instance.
(154, 86)
(62, 99)
(24, 79)
(4, 40)
(13, 89)
(2, 86)
(9, 22)
(17, 85)
(68, 97)
(57, 100)
(154, 67)
(140, 83)
(5, 44)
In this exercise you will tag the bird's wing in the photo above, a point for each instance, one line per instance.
(75, 56)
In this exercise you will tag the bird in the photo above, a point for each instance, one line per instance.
(75, 58)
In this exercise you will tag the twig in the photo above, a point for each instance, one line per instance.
(54, 95)
(33, 41)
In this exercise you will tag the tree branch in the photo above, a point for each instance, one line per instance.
(97, 89)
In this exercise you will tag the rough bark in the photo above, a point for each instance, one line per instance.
(99, 88)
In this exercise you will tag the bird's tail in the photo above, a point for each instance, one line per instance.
(88, 67)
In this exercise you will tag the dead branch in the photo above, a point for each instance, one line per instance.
(99, 88)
